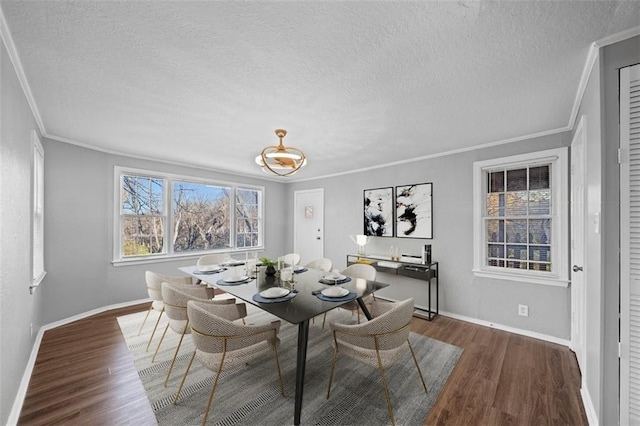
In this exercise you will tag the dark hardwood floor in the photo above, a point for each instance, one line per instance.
(84, 375)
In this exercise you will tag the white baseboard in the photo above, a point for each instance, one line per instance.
(26, 377)
(510, 329)
(589, 409)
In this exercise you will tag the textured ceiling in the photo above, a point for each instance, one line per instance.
(356, 84)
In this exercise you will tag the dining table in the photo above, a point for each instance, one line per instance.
(303, 301)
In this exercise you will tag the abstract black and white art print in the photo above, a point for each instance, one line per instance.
(378, 212)
(413, 211)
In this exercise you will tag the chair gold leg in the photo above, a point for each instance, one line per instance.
(215, 384)
(358, 310)
(175, 355)
(275, 352)
(417, 366)
(160, 343)
(145, 319)
(333, 367)
(155, 327)
(184, 377)
(386, 389)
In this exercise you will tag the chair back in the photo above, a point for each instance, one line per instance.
(290, 259)
(175, 298)
(155, 280)
(213, 259)
(391, 328)
(322, 264)
(213, 334)
(360, 270)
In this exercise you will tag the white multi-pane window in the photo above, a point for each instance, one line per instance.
(248, 218)
(201, 214)
(37, 217)
(163, 215)
(142, 215)
(520, 217)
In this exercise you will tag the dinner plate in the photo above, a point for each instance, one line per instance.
(233, 263)
(335, 292)
(236, 279)
(274, 292)
(298, 268)
(209, 268)
(334, 277)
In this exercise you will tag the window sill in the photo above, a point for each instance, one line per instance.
(527, 278)
(176, 257)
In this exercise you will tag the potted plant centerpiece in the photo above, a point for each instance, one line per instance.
(270, 264)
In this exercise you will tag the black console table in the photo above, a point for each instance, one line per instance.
(418, 271)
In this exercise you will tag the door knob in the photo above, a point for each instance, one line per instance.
(577, 268)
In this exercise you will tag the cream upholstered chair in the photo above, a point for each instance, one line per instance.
(378, 343)
(220, 343)
(175, 298)
(213, 259)
(154, 288)
(357, 270)
(290, 259)
(322, 264)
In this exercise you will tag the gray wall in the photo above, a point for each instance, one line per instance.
(461, 293)
(79, 229)
(18, 309)
(613, 58)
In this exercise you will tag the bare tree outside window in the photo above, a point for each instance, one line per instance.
(143, 215)
(166, 215)
(247, 218)
(201, 217)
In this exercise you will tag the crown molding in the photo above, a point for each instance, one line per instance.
(163, 161)
(5, 34)
(614, 38)
(442, 154)
(592, 59)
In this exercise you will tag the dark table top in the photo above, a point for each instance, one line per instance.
(302, 307)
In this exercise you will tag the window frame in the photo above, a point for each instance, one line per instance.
(169, 180)
(559, 184)
(38, 270)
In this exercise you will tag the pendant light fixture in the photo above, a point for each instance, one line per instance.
(279, 159)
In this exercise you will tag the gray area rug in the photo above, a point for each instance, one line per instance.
(250, 395)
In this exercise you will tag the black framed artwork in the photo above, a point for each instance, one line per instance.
(378, 212)
(414, 206)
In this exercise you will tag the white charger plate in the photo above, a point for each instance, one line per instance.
(274, 292)
(335, 292)
(236, 279)
(209, 268)
(334, 277)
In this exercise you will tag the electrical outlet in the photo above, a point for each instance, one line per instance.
(523, 310)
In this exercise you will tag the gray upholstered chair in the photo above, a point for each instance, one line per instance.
(175, 298)
(154, 288)
(322, 264)
(221, 343)
(213, 259)
(379, 342)
(357, 270)
(290, 259)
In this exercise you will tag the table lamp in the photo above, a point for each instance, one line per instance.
(361, 241)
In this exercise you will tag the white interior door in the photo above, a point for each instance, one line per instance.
(578, 278)
(308, 218)
(630, 245)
